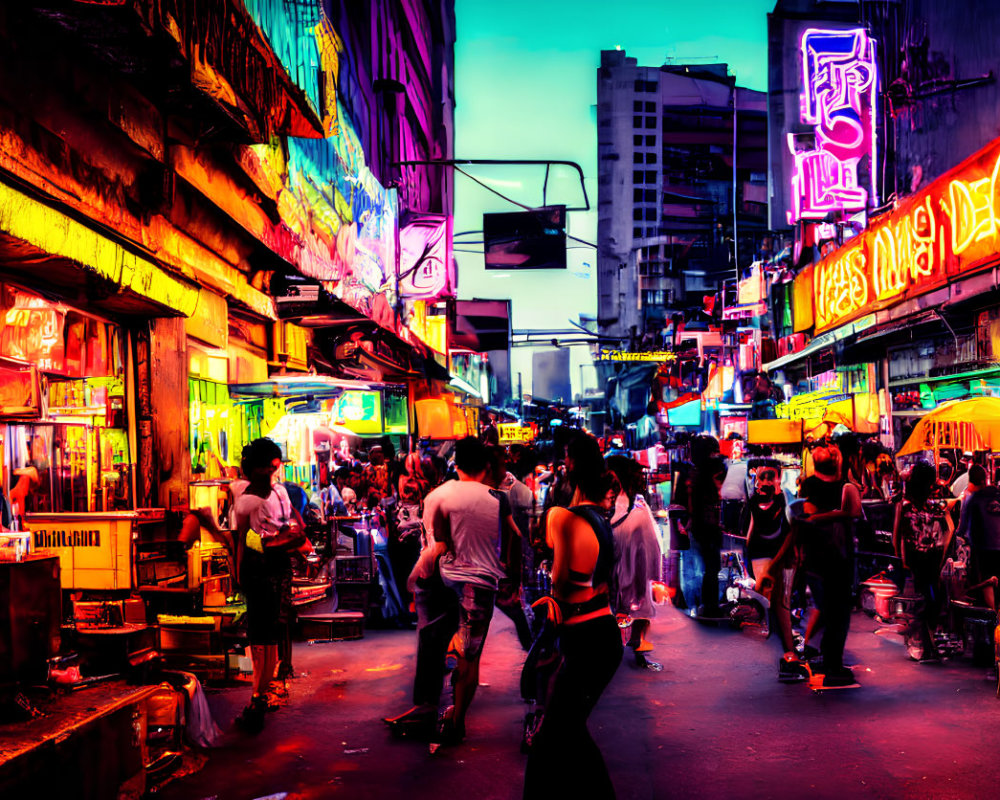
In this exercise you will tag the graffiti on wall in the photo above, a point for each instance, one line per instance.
(342, 221)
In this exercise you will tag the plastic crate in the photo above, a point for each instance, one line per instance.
(353, 569)
(336, 625)
(353, 597)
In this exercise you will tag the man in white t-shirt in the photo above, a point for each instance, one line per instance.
(455, 581)
(265, 533)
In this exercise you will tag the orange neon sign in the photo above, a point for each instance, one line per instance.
(950, 228)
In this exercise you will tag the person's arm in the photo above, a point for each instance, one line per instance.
(897, 532)
(964, 520)
(557, 536)
(850, 507)
(950, 523)
(749, 534)
(436, 543)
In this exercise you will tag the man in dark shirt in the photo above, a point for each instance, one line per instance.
(832, 504)
(980, 527)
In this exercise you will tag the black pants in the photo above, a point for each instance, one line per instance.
(509, 602)
(710, 547)
(836, 604)
(564, 760)
(437, 621)
(926, 570)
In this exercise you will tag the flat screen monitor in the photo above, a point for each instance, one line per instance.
(534, 239)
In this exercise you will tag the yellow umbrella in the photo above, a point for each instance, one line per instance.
(963, 424)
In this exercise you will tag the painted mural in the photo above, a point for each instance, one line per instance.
(343, 222)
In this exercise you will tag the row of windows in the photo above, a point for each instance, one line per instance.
(645, 86)
(637, 158)
(644, 195)
(650, 140)
(637, 233)
(652, 269)
(649, 176)
(638, 122)
(656, 297)
(637, 106)
(649, 214)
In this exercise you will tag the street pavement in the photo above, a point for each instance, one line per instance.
(713, 724)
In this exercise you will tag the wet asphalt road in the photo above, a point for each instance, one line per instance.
(713, 724)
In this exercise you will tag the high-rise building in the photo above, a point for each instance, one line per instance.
(676, 178)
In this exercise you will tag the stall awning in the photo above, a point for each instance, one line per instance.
(317, 386)
(822, 341)
(774, 431)
(55, 249)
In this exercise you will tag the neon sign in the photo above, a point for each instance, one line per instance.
(839, 80)
(951, 228)
(621, 355)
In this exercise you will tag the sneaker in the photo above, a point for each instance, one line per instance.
(418, 723)
(448, 732)
(842, 678)
(808, 652)
(791, 671)
(251, 719)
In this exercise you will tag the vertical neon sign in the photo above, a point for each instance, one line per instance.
(839, 84)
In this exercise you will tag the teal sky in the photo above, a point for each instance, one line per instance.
(526, 85)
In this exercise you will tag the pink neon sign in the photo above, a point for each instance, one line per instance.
(839, 82)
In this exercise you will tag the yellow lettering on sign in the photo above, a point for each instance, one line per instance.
(949, 228)
(841, 286)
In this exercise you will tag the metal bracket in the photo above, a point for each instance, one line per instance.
(459, 162)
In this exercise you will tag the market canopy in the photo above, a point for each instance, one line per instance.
(317, 386)
(967, 425)
(774, 431)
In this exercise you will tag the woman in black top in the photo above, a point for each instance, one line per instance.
(564, 760)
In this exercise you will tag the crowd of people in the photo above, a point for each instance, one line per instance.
(585, 524)
(569, 549)
(803, 533)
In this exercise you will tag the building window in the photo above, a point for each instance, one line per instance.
(636, 158)
(650, 215)
(650, 195)
(650, 141)
(637, 195)
(637, 140)
(650, 107)
(637, 105)
(651, 176)
(636, 122)
(636, 233)
(636, 177)
(637, 214)
(650, 122)
(650, 158)
(653, 297)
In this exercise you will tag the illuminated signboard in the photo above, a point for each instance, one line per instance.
(654, 355)
(687, 415)
(358, 410)
(949, 229)
(839, 83)
(426, 271)
(513, 433)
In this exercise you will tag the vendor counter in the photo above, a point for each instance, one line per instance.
(87, 743)
(95, 549)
